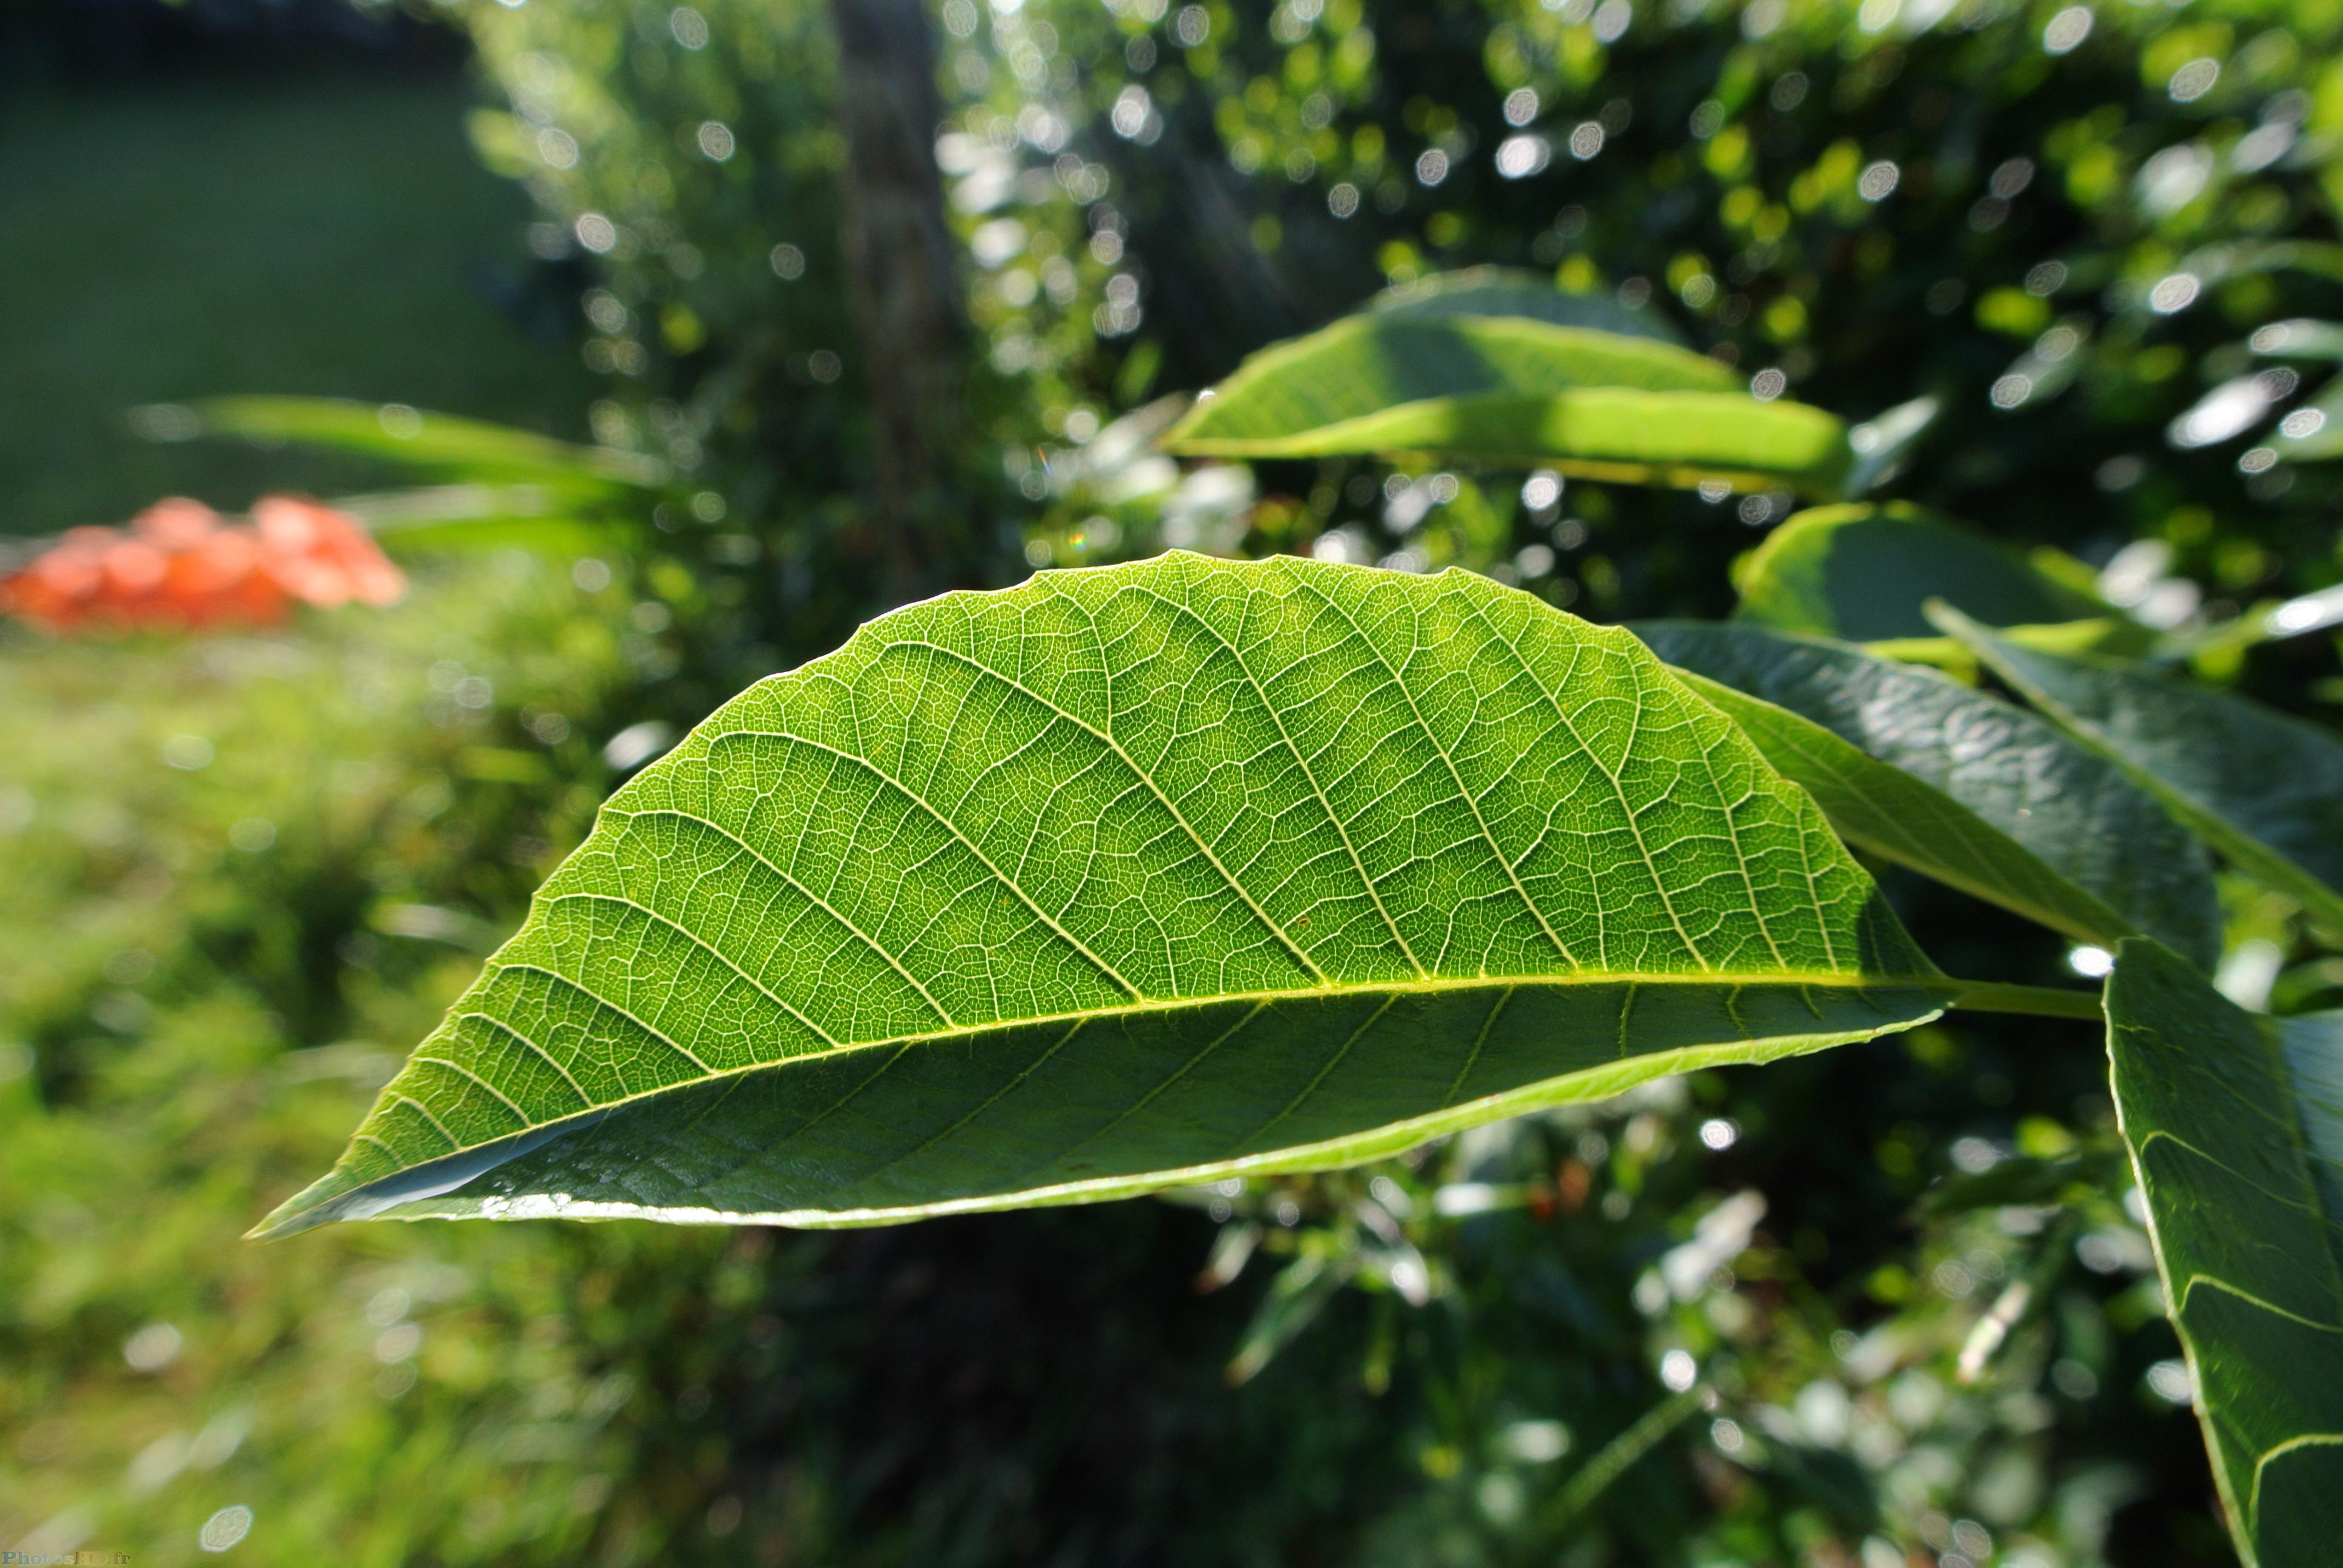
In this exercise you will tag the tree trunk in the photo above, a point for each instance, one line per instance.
(901, 276)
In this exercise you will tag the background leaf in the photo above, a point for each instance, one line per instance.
(2236, 1128)
(1514, 291)
(1280, 400)
(1497, 367)
(1679, 439)
(2264, 789)
(440, 443)
(1128, 878)
(478, 517)
(2062, 806)
(1862, 573)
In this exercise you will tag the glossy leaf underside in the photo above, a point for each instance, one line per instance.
(2263, 789)
(1131, 877)
(1985, 796)
(2235, 1123)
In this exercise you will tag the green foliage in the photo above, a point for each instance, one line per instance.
(230, 881)
(2264, 790)
(2084, 845)
(1468, 1355)
(432, 443)
(2236, 1134)
(1192, 869)
(1878, 807)
(1442, 374)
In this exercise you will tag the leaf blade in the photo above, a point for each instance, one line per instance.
(1880, 808)
(1364, 363)
(2090, 845)
(913, 1127)
(1863, 573)
(2264, 790)
(2234, 1124)
(1681, 438)
(1126, 795)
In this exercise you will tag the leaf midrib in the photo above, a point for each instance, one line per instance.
(1311, 442)
(1332, 990)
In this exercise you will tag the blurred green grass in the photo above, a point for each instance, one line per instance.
(324, 232)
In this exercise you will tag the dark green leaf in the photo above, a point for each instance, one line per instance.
(1961, 785)
(2235, 1128)
(2264, 790)
(1131, 878)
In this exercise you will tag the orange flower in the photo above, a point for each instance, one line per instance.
(221, 581)
(181, 566)
(322, 556)
(175, 523)
(59, 586)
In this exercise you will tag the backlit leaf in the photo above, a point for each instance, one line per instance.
(1130, 878)
(2235, 1123)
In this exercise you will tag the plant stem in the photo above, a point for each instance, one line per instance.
(1614, 1457)
(2036, 1001)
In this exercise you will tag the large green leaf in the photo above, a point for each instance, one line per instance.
(1679, 439)
(1127, 878)
(1863, 573)
(1961, 785)
(1366, 363)
(2235, 1123)
(2264, 790)
(1432, 375)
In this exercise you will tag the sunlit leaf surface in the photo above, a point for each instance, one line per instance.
(1364, 365)
(1679, 439)
(1975, 792)
(2264, 790)
(2235, 1128)
(1430, 370)
(1861, 574)
(1133, 877)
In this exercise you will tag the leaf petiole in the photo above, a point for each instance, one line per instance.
(2035, 1000)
